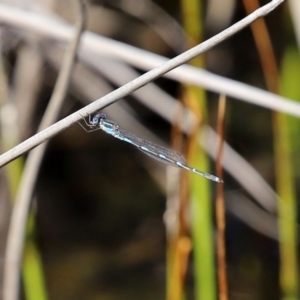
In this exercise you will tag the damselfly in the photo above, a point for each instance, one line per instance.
(155, 151)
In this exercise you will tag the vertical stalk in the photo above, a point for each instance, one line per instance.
(220, 208)
(200, 196)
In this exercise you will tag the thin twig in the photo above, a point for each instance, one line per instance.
(16, 234)
(220, 207)
(136, 84)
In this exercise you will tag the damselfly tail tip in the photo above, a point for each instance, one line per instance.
(215, 178)
(219, 180)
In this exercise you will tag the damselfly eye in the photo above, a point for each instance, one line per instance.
(95, 120)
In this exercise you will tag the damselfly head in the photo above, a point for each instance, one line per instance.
(97, 118)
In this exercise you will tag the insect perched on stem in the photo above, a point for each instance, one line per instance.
(157, 152)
